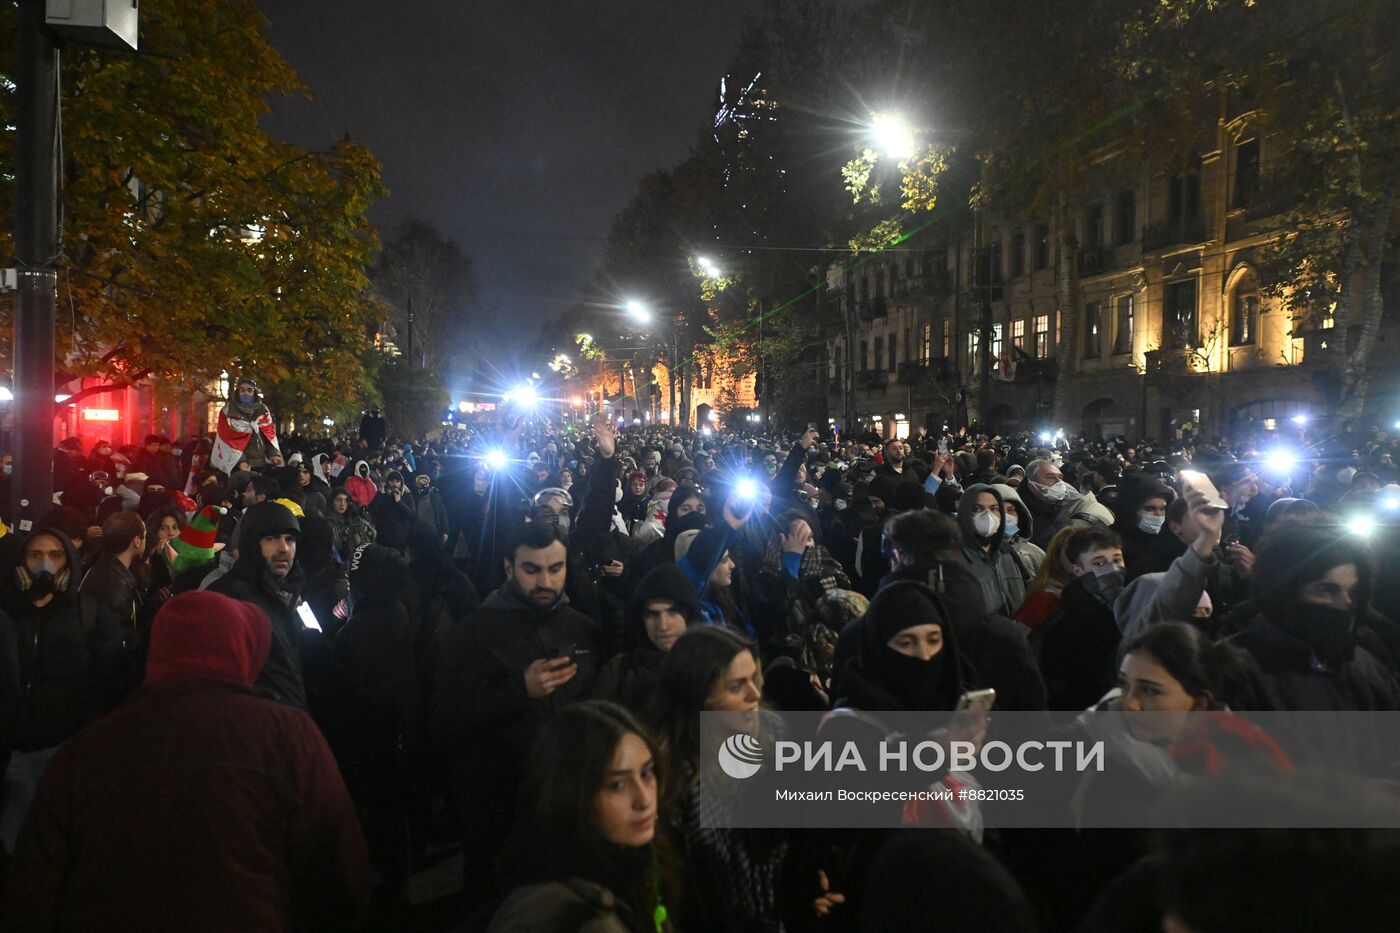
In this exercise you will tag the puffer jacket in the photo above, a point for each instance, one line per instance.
(56, 661)
(360, 486)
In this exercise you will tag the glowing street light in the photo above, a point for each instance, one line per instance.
(893, 135)
(1300, 420)
(638, 311)
(707, 265)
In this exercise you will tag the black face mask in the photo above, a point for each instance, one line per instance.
(913, 681)
(1329, 632)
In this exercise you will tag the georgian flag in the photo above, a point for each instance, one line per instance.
(233, 436)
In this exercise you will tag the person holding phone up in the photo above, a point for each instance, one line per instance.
(502, 674)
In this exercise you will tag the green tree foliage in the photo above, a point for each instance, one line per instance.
(193, 242)
(1319, 83)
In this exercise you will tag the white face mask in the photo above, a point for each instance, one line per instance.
(840, 505)
(986, 524)
(1151, 524)
(1056, 493)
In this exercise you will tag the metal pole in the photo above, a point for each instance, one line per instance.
(984, 341)
(36, 248)
(411, 360)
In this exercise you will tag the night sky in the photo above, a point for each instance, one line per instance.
(518, 128)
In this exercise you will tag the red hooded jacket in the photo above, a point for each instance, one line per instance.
(197, 805)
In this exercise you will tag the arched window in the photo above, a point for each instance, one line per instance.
(1244, 311)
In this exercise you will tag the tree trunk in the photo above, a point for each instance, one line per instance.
(1364, 312)
(1070, 311)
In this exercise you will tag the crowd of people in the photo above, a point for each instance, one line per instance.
(267, 699)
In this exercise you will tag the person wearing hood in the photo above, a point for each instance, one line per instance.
(661, 609)
(879, 503)
(428, 506)
(1056, 504)
(982, 520)
(685, 510)
(1311, 587)
(393, 513)
(903, 653)
(1018, 531)
(56, 657)
(350, 528)
(247, 432)
(926, 546)
(1141, 519)
(709, 565)
(268, 575)
(502, 673)
(361, 485)
(224, 811)
(633, 504)
(321, 478)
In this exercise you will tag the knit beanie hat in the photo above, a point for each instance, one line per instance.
(708, 548)
(195, 546)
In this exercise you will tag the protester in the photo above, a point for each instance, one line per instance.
(584, 852)
(268, 575)
(663, 607)
(197, 804)
(503, 672)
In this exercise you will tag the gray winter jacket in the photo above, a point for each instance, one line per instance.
(997, 571)
(1169, 596)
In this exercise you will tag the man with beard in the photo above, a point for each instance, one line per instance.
(895, 464)
(502, 673)
(268, 575)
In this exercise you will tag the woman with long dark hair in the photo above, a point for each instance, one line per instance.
(162, 527)
(584, 851)
(734, 879)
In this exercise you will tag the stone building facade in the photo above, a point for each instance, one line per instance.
(1176, 331)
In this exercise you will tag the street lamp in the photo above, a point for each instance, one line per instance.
(707, 265)
(638, 311)
(893, 135)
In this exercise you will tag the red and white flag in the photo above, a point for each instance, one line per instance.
(233, 436)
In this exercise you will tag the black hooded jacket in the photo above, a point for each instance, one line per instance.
(55, 660)
(377, 690)
(994, 650)
(870, 678)
(632, 678)
(252, 581)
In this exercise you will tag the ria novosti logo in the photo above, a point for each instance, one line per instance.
(741, 756)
